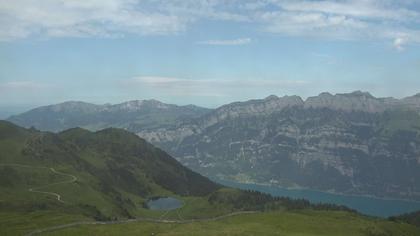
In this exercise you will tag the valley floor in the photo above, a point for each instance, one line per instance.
(296, 223)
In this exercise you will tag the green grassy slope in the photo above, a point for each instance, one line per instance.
(411, 218)
(299, 223)
(116, 173)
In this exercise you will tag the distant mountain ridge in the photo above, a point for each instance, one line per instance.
(136, 115)
(128, 115)
(355, 101)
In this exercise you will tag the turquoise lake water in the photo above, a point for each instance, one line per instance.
(366, 205)
(164, 203)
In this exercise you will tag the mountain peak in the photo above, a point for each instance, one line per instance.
(135, 105)
(70, 106)
(71, 102)
(325, 94)
(359, 93)
(354, 101)
(417, 95)
(267, 105)
(271, 97)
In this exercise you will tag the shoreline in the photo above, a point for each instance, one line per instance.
(319, 191)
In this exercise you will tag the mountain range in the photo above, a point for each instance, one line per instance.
(350, 143)
(132, 115)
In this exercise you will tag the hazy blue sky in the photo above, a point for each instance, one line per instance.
(204, 52)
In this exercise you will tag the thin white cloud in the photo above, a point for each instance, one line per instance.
(372, 9)
(399, 44)
(312, 24)
(22, 86)
(229, 42)
(26, 92)
(325, 58)
(158, 81)
(83, 18)
(207, 87)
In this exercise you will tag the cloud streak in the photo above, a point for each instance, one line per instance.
(23, 86)
(229, 42)
(206, 87)
(26, 92)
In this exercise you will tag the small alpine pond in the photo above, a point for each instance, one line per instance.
(164, 203)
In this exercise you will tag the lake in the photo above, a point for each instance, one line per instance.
(366, 205)
(164, 203)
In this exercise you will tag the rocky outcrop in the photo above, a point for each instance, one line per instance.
(412, 102)
(355, 101)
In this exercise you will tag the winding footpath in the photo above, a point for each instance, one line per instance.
(150, 220)
(36, 189)
(74, 179)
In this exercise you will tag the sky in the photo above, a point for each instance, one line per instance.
(204, 52)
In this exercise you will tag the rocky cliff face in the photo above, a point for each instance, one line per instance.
(356, 101)
(348, 143)
(413, 101)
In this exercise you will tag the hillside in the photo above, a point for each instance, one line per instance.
(107, 174)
